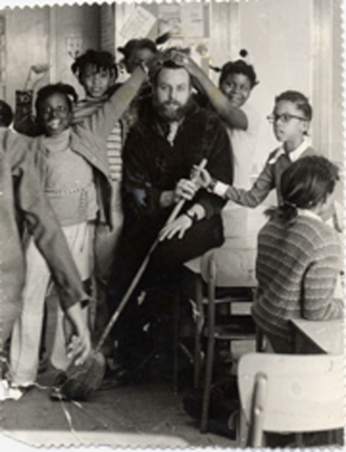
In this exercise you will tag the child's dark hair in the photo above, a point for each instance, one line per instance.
(300, 101)
(58, 88)
(6, 114)
(100, 60)
(238, 67)
(305, 184)
(137, 44)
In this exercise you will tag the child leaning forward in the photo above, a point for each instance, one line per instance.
(22, 199)
(74, 171)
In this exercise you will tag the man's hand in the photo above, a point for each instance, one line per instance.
(201, 177)
(178, 226)
(185, 189)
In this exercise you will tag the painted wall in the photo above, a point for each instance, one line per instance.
(38, 35)
(27, 34)
(74, 21)
(277, 36)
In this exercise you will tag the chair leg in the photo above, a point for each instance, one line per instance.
(207, 384)
(243, 431)
(198, 331)
(176, 317)
(260, 341)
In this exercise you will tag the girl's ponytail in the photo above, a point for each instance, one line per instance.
(304, 185)
(287, 212)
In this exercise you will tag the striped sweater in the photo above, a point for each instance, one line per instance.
(297, 267)
(86, 108)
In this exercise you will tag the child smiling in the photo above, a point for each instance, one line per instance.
(74, 171)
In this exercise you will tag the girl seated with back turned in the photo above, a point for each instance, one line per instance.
(299, 256)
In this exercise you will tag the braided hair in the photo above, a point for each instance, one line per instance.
(58, 88)
(100, 60)
(237, 67)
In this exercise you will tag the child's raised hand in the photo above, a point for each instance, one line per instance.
(200, 176)
(36, 73)
(79, 348)
(39, 69)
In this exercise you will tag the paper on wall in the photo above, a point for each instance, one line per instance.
(138, 24)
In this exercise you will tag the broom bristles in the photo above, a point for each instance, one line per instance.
(80, 382)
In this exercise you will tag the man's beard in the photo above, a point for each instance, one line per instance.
(168, 114)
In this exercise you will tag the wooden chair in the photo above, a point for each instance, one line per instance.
(289, 393)
(218, 273)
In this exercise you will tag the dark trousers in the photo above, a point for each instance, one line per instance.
(164, 274)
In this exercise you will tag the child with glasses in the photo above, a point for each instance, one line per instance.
(291, 118)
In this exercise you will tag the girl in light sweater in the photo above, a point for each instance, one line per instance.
(74, 170)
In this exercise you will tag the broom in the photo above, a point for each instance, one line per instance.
(80, 382)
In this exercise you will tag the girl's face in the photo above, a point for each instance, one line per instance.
(95, 81)
(55, 114)
(289, 124)
(237, 87)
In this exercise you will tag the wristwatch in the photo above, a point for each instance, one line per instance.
(211, 186)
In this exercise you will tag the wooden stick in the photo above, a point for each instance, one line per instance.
(140, 271)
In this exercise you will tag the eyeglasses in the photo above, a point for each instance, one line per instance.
(285, 117)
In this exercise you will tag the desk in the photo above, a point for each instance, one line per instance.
(324, 336)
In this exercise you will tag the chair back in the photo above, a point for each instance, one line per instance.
(291, 393)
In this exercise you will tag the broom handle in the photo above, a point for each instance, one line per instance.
(140, 272)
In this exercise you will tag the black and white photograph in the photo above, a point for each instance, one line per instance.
(171, 224)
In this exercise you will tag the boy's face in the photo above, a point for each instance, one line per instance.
(289, 124)
(55, 114)
(237, 87)
(95, 81)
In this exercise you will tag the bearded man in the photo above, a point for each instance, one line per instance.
(171, 135)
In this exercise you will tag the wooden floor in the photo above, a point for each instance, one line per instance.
(143, 415)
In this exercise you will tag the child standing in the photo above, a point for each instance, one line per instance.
(97, 73)
(291, 118)
(230, 101)
(299, 256)
(74, 170)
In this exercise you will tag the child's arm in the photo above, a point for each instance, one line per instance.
(234, 117)
(249, 198)
(42, 223)
(319, 285)
(101, 123)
